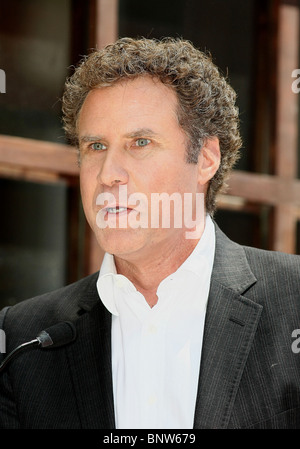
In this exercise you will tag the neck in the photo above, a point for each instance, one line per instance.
(147, 273)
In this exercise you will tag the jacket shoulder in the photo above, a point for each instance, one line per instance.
(27, 318)
(273, 262)
(277, 285)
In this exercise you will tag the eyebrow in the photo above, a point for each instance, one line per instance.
(140, 132)
(85, 139)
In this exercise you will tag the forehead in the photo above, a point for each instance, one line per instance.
(138, 97)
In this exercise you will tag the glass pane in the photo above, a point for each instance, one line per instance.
(32, 239)
(35, 55)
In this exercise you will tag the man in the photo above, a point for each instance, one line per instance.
(176, 330)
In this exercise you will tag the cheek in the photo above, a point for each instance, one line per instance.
(159, 177)
(180, 178)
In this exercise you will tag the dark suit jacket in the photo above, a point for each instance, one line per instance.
(249, 378)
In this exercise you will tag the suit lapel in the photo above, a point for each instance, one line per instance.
(231, 323)
(230, 326)
(90, 365)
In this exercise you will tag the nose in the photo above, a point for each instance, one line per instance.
(112, 171)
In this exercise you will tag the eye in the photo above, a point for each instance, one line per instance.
(97, 146)
(142, 142)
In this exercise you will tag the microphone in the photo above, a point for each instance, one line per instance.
(59, 334)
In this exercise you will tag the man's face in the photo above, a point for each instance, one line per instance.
(130, 138)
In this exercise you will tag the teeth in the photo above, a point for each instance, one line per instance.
(114, 210)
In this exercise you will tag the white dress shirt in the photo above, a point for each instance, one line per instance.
(156, 351)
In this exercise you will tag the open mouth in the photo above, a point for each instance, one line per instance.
(117, 210)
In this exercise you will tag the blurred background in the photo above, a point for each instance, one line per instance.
(44, 240)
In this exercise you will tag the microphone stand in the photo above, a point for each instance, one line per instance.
(59, 334)
(18, 349)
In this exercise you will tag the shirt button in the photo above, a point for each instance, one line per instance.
(152, 399)
(152, 329)
(121, 282)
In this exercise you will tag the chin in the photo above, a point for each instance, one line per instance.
(119, 241)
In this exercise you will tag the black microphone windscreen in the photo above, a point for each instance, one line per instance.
(57, 335)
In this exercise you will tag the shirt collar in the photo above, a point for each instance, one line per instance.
(109, 281)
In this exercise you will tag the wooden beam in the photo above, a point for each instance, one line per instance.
(34, 160)
(286, 163)
(17, 172)
(286, 125)
(106, 22)
(264, 86)
(20, 156)
(36, 155)
(264, 189)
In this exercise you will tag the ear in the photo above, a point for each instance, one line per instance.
(209, 160)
